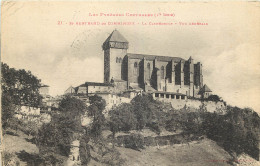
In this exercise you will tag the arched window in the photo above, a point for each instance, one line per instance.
(135, 68)
(162, 72)
(120, 60)
(117, 59)
(149, 70)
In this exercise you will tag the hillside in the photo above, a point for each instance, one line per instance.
(19, 148)
(203, 153)
(197, 153)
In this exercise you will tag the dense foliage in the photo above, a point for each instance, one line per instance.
(55, 138)
(237, 131)
(95, 110)
(134, 141)
(214, 98)
(143, 111)
(122, 118)
(92, 144)
(19, 87)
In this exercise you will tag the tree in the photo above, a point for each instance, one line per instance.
(122, 118)
(8, 109)
(73, 106)
(148, 112)
(58, 135)
(237, 131)
(97, 105)
(141, 108)
(96, 108)
(84, 149)
(19, 87)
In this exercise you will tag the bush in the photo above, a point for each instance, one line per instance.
(112, 158)
(10, 159)
(149, 141)
(134, 141)
(214, 98)
(155, 128)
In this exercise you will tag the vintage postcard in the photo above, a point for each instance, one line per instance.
(130, 83)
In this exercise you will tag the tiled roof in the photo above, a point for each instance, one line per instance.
(105, 92)
(93, 84)
(152, 57)
(116, 37)
(205, 88)
(135, 87)
(97, 84)
(115, 40)
(70, 90)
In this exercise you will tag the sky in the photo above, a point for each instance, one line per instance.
(63, 55)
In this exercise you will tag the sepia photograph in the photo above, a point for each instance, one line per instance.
(126, 83)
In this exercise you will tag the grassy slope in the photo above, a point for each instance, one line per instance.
(18, 144)
(202, 153)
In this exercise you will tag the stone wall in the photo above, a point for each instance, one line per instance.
(123, 140)
(134, 70)
(115, 64)
(94, 89)
(210, 106)
(107, 66)
(120, 86)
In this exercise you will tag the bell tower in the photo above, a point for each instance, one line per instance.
(115, 48)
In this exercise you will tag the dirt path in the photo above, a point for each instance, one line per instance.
(74, 158)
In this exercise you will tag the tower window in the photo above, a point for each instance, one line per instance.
(118, 60)
(135, 68)
(149, 70)
(162, 72)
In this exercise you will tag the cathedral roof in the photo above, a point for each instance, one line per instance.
(152, 57)
(115, 36)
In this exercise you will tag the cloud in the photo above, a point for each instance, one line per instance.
(73, 71)
(235, 75)
(231, 69)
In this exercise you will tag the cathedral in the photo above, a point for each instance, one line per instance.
(150, 73)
